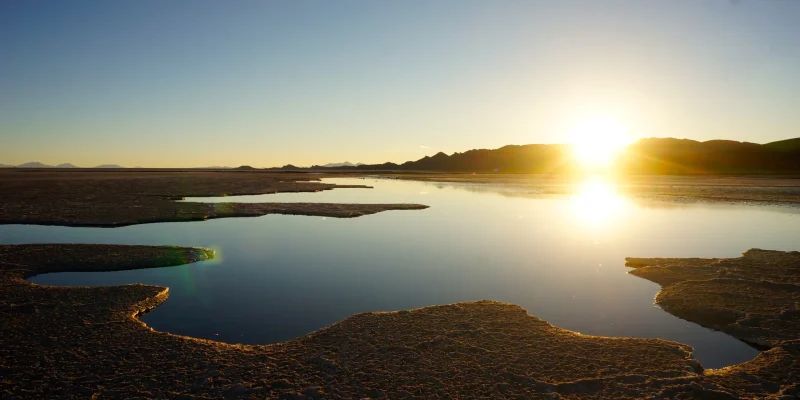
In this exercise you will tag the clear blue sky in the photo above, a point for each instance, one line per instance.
(200, 83)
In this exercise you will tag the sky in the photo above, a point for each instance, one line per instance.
(266, 83)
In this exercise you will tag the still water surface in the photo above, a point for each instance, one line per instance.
(561, 257)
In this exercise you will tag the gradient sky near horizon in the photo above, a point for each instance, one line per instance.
(266, 83)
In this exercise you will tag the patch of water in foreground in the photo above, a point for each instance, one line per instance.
(561, 257)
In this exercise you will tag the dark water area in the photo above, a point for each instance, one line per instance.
(561, 257)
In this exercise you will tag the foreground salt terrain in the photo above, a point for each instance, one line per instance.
(86, 342)
(113, 199)
(755, 298)
(82, 342)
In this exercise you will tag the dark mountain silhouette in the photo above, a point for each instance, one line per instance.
(784, 145)
(682, 156)
(662, 156)
(647, 156)
(533, 158)
(290, 167)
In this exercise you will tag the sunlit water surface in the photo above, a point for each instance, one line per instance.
(561, 257)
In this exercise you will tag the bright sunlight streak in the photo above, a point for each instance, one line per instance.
(597, 141)
(596, 202)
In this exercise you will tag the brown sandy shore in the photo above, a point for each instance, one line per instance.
(117, 198)
(81, 342)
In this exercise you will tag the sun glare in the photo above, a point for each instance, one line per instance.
(595, 203)
(597, 141)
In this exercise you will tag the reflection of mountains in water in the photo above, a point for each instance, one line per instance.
(504, 190)
(655, 194)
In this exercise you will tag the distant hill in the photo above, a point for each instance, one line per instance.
(244, 167)
(34, 164)
(344, 164)
(6, 166)
(290, 167)
(109, 166)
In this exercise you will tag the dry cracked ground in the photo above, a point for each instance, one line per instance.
(87, 343)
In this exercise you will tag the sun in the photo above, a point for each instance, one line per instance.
(597, 141)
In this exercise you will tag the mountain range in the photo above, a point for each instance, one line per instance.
(686, 157)
(662, 156)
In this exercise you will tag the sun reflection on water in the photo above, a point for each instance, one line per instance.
(596, 203)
